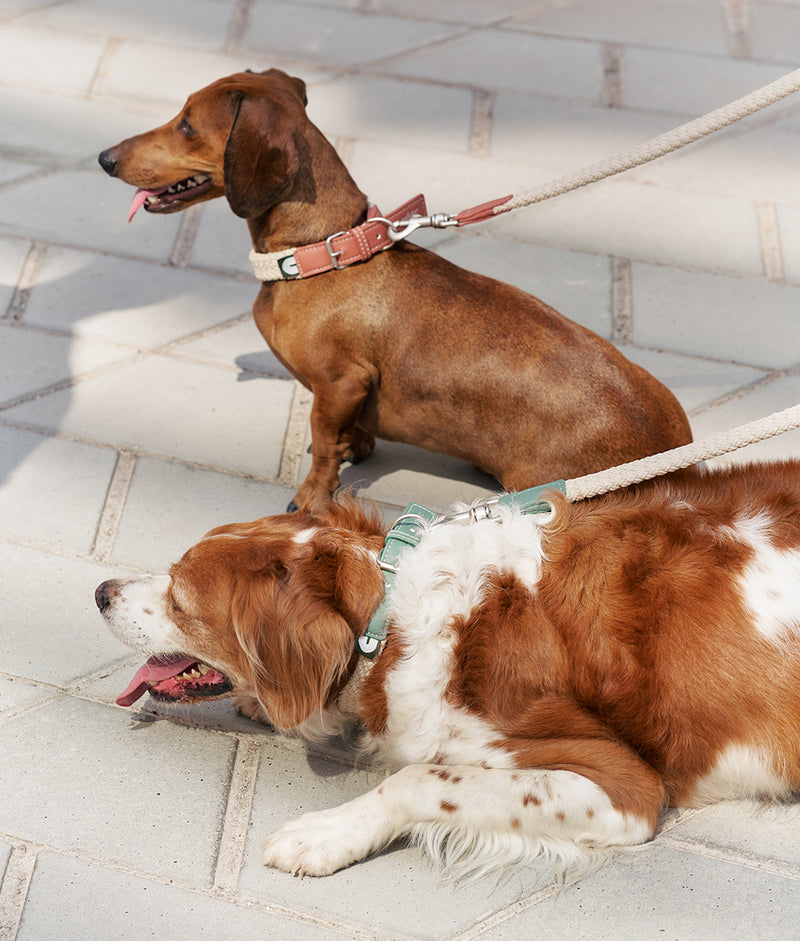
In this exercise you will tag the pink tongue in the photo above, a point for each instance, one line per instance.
(138, 200)
(154, 671)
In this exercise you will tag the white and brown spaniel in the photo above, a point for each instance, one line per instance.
(548, 685)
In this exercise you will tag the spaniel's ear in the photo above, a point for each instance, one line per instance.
(297, 647)
(260, 156)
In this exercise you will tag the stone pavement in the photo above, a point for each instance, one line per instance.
(139, 407)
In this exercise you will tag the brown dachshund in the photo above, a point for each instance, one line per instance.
(406, 346)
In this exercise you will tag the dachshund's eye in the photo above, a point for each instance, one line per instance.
(186, 129)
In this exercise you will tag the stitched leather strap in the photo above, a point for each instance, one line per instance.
(339, 251)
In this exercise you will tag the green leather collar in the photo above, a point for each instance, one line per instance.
(409, 529)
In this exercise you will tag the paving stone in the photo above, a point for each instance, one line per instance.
(690, 25)
(16, 694)
(387, 110)
(576, 284)
(760, 402)
(52, 632)
(789, 223)
(13, 253)
(132, 302)
(171, 506)
(681, 82)
(752, 157)
(467, 11)
(771, 28)
(100, 902)
(496, 59)
(238, 343)
(149, 797)
(646, 223)
(52, 491)
(34, 360)
(5, 853)
(567, 135)
(663, 893)
(339, 37)
(77, 129)
(398, 474)
(197, 413)
(44, 61)
(14, 169)
(747, 828)
(222, 242)
(747, 320)
(373, 894)
(128, 73)
(694, 381)
(84, 209)
(199, 24)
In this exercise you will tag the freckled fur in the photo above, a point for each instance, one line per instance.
(549, 685)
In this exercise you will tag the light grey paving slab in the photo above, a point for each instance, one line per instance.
(43, 60)
(768, 832)
(646, 223)
(34, 359)
(201, 24)
(663, 893)
(171, 506)
(73, 900)
(12, 256)
(223, 242)
(129, 72)
(566, 135)
(238, 343)
(694, 381)
(748, 320)
(13, 169)
(133, 302)
(387, 110)
(398, 474)
(689, 25)
(84, 209)
(476, 12)
(168, 407)
(762, 401)
(16, 694)
(771, 28)
(5, 853)
(395, 893)
(52, 491)
(52, 632)
(339, 37)
(390, 174)
(149, 796)
(578, 285)
(77, 128)
(682, 82)
(495, 59)
(752, 157)
(789, 224)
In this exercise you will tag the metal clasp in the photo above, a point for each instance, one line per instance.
(405, 227)
(334, 256)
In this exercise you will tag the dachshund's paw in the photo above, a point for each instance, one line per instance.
(248, 706)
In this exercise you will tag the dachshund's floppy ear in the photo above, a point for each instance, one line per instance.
(260, 156)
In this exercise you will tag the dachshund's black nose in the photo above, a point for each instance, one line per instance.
(107, 162)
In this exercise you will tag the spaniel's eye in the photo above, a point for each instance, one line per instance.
(175, 606)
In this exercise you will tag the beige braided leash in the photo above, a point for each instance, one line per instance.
(581, 488)
(658, 146)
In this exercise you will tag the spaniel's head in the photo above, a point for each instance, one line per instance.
(270, 608)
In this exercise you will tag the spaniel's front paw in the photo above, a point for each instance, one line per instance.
(317, 844)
